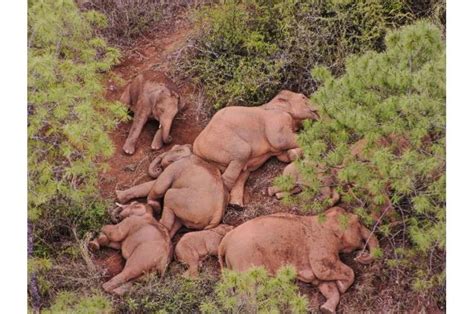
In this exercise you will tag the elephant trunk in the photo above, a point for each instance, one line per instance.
(372, 243)
(155, 168)
(166, 122)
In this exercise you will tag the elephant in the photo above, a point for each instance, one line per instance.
(150, 99)
(311, 244)
(240, 139)
(145, 244)
(193, 193)
(193, 247)
(328, 192)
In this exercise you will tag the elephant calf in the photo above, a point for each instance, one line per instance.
(150, 99)
(194, 246)
(327, 190)
(308, 243)
(240, 139)
(145, 244)
(192, 191)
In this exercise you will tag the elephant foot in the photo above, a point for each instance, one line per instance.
(120, 291)
(93, 245)
(128, 148)
(156, 146)
(327, 309)
(190, 274)
(121, 196)
(364, 258)
(168, 140)
(236, 207)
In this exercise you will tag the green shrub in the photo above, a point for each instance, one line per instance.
(395, 102)
(171, 294)
(247, 50)
(127, 19)
(68, 302)
(68, 118)
(254, 291)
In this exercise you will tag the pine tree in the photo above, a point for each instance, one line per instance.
(392, 105)
(68, 118)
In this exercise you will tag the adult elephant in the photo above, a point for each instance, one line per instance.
(308, 243)
(240, 139)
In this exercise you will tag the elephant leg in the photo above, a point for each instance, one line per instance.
(168, 219)
(136, 191)
(331, 293)
(121, 290)
(237, 192)
(330, 268)
(139, 121)
(157, 142)
(290, 155)
(189, 257)
(144, 258)
(127, 274)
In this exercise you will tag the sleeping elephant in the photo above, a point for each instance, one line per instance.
(269, 241)
(240, 139)
(145, 244)
(192, 191)
(327, 192)
(150, 99)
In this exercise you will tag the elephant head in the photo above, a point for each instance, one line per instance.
(166, 104)
(351, 233)
(165, 159)
(134, 209)
(296, 104)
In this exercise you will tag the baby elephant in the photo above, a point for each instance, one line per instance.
(193, 247)
(191, 190)
(327, 192)
(145, 244)
(150, 99)
(308, 243)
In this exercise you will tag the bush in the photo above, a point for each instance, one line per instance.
(68, 119)
(172, 294)
(247, 50)
(67, 302)
(254, 291)
(394, 103)
(127, 18)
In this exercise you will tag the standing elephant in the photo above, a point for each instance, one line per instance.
(308, 243)
(192, 190)
(145, 244)
(150, 99)
(240, 139)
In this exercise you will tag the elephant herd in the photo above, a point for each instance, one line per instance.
(194, 184)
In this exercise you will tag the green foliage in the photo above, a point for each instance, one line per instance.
(247, 50)
(172, 294)
(393, 103)
(254, 291)
(68, 302)
(68, 118)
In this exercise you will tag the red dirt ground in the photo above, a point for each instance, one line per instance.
(153, 52)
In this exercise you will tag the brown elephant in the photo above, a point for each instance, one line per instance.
(240, 139)
(145, 244)
(327, 193)
(269, 241)
(192, 190)
(150, 99)
(193, 247)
